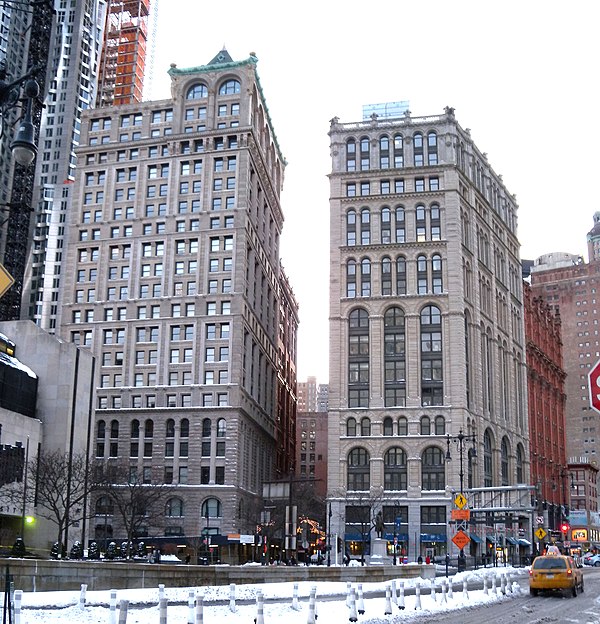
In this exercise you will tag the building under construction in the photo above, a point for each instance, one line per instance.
(121, 78)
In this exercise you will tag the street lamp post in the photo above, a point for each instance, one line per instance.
(329, 536)
(460, 440)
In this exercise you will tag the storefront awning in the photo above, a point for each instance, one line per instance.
(511, 540)
(491, 539)
(476, 538)
(523, 542)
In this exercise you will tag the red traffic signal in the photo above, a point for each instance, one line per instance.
(564, 527)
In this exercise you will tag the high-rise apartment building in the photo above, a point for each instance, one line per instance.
(307, 395)
(427, 347)
(175, 284)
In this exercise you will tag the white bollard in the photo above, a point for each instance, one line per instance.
(311, 607)
(388, 600)
(433, 592)
(18, 597)
(360, 605)
(353, 615)
(314, 590)
(401, 596)
(494, 584)
(161, 592)
(465, 590)
(191, 606)
(199, 609)
(394, 593)
(82, 596)
(232, 597)
(162, 611)
(295, 603)
(417, 596)
(260, 616)
(123, 606)
(444, 590)
(348, 590)
(112, 616)
(450, 594)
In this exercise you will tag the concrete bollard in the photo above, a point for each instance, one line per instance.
(191, 606)
(433, 592)
(450, 590)
(112, 616)
(161, 592)
(494, 584)
(360, 605)
(348, 590)
(312, 607)
(417, 596)
(123, 606)
(199, 609)
(260, 605)
(465, 590)
(232, 597)
(82, 596)
(444, 589)
(295, 603)
(388, 600)
(401, 596)
(394, 593)
(18, 597)
(485, 586)
(503, 584)
(162, 611)
(353, 617)
(314, 590)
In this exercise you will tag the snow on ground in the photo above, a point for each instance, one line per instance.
(45, 607)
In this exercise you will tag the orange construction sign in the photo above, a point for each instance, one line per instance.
(460, 514)
(461, 539)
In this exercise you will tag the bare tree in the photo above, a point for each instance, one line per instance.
(58, 486)
(136, 502)
(361, 515)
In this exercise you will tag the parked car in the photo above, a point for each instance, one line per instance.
(592, 560)
(555, 572)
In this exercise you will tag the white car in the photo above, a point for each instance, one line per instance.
(592, 560)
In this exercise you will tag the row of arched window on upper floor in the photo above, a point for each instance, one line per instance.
(174, 507)
(389, 151)
(135, 428)
(199, 90)
(427, 426)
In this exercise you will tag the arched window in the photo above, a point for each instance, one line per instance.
(350, 155)
(422, 275)
(114, 429)
(433, 472)
(435, 223)
(351, 427)
(170, 427)
(104, 506)
(421, 223)
(149, 428)
(487, 460)
(386, 225)
(504, 462)
(365, 426)
(206, 426)
(440, 425)
(174, 508)
(432, 151)
(386, 276)
(398, 151)
(418, 149)
(402, 426)
(395, 469)
(358, 365)
(229, 87)
(135, 428)
(211, 508)
(395, 357)
(221, 428)
(365, 157)
(384, 152)
(358, 470)
(436, 274)
(400, 225)
(184, 428)
(519, 466)
(400, 275)
(101, 429)
(365, 226)
(351, 279)
(196, 92)
(351, 228)
(432, 382)
(365, 277)
(425, 425)
(388, 426)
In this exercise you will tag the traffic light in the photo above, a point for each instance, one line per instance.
(564, 527)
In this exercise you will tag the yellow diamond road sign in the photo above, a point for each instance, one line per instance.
(460, 501)
(540, 533)
(6, 280)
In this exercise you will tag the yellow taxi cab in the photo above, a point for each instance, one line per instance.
(555, 572)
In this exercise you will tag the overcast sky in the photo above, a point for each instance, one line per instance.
(522, 75)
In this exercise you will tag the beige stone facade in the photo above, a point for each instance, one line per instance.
(427, 339)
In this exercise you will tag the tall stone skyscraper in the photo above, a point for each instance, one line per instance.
(175, 284)
(427, 351)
